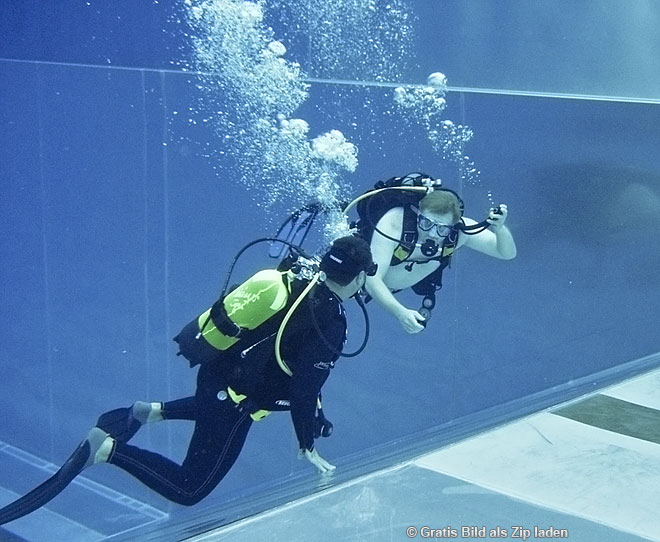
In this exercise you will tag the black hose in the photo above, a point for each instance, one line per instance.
(296, 248)
(474, 228)
(360, 302)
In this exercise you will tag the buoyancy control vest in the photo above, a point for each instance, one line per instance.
(390, 194)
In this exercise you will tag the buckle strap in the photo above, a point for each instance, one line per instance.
(238, 398)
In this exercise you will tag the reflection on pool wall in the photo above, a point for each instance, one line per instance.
(117, 231)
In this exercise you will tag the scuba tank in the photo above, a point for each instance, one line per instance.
(255, 301)
(248, 306)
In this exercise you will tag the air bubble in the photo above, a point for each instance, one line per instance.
(242, 62)
(426, 105)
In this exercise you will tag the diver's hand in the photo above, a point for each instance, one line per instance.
(315, 459)
(322, 426)
(410, 320)
(497, 216)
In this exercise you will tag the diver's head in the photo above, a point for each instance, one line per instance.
(442, 204)
(438, 215)
(346, 265)
(435, 226)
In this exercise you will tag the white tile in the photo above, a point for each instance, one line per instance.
(643, 390)
(566, 466)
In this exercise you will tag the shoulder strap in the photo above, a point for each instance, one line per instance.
(406, 245)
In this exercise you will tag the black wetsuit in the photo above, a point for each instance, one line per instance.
(249, 368)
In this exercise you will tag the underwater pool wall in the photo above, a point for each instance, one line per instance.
(117, 231)
(118, 240)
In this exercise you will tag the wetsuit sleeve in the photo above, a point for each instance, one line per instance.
(311, 363)
(306, 384)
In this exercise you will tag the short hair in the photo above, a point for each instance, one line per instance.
(345, 259)
(442, 202)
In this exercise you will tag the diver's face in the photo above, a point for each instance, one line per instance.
(358, 283)
(361, 280)
(434, 226)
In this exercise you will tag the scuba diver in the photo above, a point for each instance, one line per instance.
(267, 345)
(414, 225)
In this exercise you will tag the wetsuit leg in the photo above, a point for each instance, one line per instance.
(122, 425)
(181, 409)
(119, 423)
(217, 440)
(220, 432)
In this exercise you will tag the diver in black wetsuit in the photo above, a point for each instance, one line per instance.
(235, 387)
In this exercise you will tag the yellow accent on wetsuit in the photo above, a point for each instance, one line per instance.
(239, 397)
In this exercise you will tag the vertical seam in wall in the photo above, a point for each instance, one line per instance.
(145, 240)
(47, 320)
(458, 276)
(166, 226)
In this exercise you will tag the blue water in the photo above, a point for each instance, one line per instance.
(117, 229)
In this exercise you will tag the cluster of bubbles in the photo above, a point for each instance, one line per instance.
(253, 91)
(426, 105)
(368, 40)
(352, 40)
(239, 57)
(304, 169)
